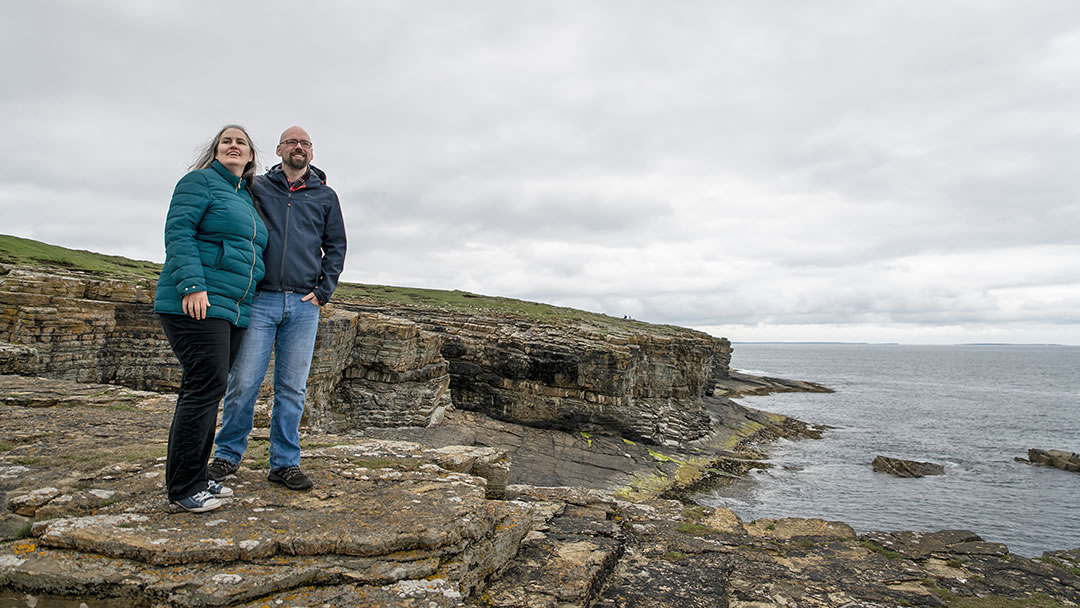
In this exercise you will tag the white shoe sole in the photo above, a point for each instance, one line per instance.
(223, 492)
(208, 505)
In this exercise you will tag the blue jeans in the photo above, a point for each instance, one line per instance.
(281, 322)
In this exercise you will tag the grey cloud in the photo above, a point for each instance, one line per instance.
(840, 163)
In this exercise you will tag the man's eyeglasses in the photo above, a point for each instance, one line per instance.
(292, 143)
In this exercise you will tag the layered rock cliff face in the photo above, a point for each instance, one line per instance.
(74, 327)
(626, 379)
(368, 369)
(386, 366)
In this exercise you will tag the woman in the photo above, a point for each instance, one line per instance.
(214, 239)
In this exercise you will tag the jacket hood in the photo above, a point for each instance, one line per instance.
(276, 169)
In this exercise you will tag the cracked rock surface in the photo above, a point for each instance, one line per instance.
(396, 523)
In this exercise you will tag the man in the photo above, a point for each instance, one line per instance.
(303, 258)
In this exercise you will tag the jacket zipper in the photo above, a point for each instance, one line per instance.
(285, 241)
(251, 273)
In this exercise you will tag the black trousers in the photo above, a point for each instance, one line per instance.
(206, 349)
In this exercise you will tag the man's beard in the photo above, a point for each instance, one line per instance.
(298, 164)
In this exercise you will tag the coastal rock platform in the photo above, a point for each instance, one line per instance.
(398, 523)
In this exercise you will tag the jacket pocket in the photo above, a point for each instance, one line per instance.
(210, 253)
(219, 262)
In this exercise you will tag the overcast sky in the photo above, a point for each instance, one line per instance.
(863, 170)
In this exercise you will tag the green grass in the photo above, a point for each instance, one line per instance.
(15, 250)
(472, 303)
(376, 462)
(314, 445)
(108, 456)
(120, 407)
(696, 529)
(674, 556)
(694, 514)
(882, 551)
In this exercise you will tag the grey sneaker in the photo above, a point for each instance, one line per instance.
(291, 477)
(218, 490)
(220, 468)
(199, 502)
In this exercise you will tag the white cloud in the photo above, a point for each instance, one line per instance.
(829, 171)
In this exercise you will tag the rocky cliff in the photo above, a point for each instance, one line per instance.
(378, 365)
(368, 370)
(553, 386)
(610, 377)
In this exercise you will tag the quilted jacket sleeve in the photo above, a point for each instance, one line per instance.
(189, 202)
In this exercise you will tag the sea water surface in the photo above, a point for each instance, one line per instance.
(971, 408)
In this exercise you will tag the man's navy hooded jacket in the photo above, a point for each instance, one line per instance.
(306, 249)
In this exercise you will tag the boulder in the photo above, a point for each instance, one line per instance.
(1059, 459)
(906, 468)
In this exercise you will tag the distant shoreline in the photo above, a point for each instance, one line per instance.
(826, 343)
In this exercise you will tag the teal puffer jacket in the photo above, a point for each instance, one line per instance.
(214, 241)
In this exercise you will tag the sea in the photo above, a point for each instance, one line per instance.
(971, 408)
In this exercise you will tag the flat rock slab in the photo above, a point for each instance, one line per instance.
(85, 465)
(738, 384)
(906, 468)
(41, 392)
(920, 545)
(431, 511)
(368, 528)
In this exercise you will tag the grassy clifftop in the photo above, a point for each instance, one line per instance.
(27, 252)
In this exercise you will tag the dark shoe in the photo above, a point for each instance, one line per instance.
(217, 489)
(220, 468)
(199, 502)
(291, 477)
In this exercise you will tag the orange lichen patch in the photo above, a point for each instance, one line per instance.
(24, 547)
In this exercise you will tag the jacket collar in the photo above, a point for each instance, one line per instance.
(236, 182)
(276, 173)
